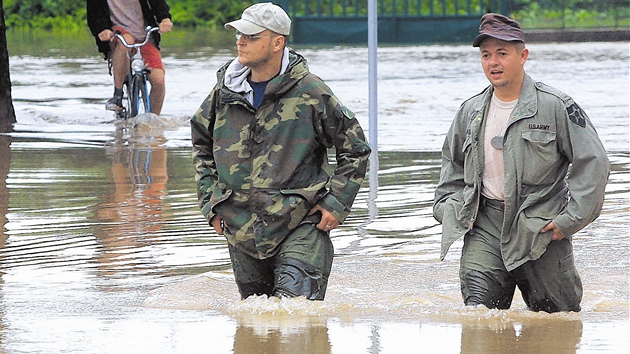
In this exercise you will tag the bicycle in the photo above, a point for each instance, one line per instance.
(136, 98)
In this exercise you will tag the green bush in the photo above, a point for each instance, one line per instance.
(69, 15)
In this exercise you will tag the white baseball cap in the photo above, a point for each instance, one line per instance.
(259, 17)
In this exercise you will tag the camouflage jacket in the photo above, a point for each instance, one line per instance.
(262, 170)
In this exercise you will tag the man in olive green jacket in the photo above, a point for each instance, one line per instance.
(522, 171)
(260, 143)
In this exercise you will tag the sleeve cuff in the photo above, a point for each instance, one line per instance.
(207, 212)
(335, 207)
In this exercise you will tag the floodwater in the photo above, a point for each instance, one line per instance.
(103, 248)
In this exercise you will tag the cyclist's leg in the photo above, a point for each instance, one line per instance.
(158, 90)
(120, 67)
(120, 61)
(153, 59)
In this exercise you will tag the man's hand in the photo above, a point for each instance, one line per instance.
(217, 223)
(166, 25)
(106, 35)
(557, 235)
(328, 222)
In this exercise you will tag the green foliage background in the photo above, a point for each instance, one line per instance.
(69, 15)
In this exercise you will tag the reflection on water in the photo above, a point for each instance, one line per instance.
(485, 337)
(5, 159)
(103, 248)
(289, 339)
(542, 337)
(134, 209)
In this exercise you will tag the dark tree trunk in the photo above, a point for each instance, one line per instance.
(7, 112)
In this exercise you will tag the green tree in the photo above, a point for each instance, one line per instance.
(192, 13)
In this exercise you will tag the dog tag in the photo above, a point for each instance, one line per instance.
(497, 142)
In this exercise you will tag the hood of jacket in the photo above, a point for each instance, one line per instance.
(233, 77)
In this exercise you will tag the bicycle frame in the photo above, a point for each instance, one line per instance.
(135, 87)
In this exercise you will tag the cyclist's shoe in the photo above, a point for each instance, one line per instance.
(114, 104)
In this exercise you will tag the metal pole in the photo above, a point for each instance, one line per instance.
(372, 77)
(372, 108)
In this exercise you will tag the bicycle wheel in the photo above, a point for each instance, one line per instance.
(140, 98)
(126, 100)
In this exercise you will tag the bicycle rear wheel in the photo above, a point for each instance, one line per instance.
(140, 97)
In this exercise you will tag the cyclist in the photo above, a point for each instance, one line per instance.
(104, 17)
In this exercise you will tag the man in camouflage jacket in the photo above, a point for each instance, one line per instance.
(260, 156)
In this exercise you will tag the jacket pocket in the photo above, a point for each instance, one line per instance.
(539, 157)
(311, 194)
(291, 208)
(534, 219)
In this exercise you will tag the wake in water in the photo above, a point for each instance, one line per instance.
(409, 303)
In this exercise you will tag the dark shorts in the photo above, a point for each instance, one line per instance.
(300, 267)
(550, 283)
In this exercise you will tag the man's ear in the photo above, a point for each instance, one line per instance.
(279, 42)
(524, 55)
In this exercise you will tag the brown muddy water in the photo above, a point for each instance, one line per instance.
(103, 248)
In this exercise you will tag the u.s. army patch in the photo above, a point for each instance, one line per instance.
(576, 115)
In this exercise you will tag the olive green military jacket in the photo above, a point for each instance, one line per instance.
(262, 170)
(546, 134)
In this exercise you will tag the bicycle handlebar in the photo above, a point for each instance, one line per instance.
(149, 30)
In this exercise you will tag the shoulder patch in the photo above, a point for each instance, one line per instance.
(576, 115)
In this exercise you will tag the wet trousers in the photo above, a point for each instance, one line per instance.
(300, 267)
(550, 283)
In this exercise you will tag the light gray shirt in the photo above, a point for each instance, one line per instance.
(494, 172)
(128, 15)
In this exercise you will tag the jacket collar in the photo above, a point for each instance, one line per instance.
(526, 107)
(294, 68)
